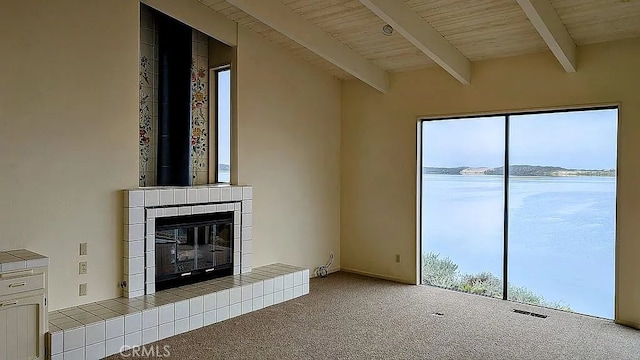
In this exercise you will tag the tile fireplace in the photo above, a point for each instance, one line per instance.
(199, 228)
(179, 235)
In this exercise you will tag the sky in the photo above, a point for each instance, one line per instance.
(224, 117)
(573, 140)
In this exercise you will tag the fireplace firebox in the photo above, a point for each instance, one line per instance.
(193, 248)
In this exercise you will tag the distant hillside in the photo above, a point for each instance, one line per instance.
(445, 171)
(519, 170)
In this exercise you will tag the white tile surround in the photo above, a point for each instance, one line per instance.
(144, 316)
(144, 205)
(104, 328)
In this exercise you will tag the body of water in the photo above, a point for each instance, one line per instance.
(561, 233)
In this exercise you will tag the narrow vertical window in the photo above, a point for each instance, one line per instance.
(223, 125)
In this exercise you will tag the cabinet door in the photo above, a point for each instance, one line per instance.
(20, 328)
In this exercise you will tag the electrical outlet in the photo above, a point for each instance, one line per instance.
(82, 289)
(83, 249)
(398, 258)
(82, 268)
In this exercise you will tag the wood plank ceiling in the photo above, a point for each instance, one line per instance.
(596, 21)
(357, 27)
(479, 29)
(270, 34)
(482, 29)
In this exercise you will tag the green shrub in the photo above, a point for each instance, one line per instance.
(484, 283)
(439, 272)
(524, 295)
(557, 305)
(443, 272)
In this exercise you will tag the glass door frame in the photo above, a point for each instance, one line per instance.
(506, 166)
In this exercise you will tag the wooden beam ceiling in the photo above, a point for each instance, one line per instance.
(546, 20)
(278, 16)
(423, 36)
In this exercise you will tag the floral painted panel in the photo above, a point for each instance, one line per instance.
(199, 109)
(148, 102)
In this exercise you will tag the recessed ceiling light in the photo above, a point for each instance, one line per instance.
(387, 30)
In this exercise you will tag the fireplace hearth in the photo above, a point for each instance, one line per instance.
(193, 248)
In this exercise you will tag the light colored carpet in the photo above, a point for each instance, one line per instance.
(348, 316)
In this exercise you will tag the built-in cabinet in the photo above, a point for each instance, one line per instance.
(23, 305)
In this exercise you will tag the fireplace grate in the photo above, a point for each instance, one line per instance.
(193, 248)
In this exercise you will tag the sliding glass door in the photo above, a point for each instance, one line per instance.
(547, 229)
(463, 209)
(562, 211)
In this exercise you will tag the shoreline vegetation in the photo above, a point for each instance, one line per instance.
(443, 272)
(519, 170)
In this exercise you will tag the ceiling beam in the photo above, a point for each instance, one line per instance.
(281, 18)
(423, 36)
(546, 20)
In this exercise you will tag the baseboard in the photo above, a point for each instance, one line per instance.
(628, 323)
(379, 276)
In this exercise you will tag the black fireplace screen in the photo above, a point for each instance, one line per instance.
(193, 248)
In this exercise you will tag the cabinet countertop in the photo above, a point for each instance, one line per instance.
(21, 259)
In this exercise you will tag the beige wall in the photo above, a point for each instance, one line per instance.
(68, 135)
(220, 54)
(378, 203)
(289, 150)
(69, 141)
